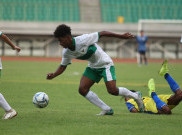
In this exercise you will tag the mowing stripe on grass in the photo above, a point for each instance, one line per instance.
(77, 83)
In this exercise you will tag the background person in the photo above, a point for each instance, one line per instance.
(142, 48)
(10, 112)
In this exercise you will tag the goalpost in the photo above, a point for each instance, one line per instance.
(161, 23)
(161, 28)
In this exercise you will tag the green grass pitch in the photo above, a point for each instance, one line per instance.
(68, 113)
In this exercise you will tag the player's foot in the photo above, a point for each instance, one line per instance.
(139, 101)
(109, 112)
(151, 86)
(164, 68)
(10, 114)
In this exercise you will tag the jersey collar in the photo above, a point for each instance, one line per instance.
(74, 43)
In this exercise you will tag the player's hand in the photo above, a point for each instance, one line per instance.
(50, 76)
(17, 48)
(127, 36)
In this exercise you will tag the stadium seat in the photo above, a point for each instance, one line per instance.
(40, 10)
(133, 10)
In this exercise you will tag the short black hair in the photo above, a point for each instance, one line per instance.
(62, 30)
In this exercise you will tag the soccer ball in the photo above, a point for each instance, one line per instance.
(40, 99)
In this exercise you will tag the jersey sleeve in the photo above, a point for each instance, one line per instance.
(1, 33)
(87, 39)
(130, 106)
(66, 60)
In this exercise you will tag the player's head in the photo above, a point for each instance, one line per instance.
(63, 33)
(141, 32)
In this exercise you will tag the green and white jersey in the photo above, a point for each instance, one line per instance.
(87, 49)
(0, 58)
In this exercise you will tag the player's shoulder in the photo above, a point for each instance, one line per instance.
(81, 37)
(78, 40)
(86, 35)
(1, 33)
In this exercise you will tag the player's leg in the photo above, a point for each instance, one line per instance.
(84, 90)
(141, 57)
(164, 110)
(110, 82)
(177, 97)
(145, 58)
(10, 113)
(165, 72)
(4, 104)
(161, 106)
(85, 84)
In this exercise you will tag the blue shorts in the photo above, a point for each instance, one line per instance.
(142, 52)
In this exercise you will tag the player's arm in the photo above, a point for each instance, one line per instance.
(131, 107)
(59, 71)
(8, 41)
(111, 34)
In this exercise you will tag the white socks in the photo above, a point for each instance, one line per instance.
(4, 104)
(127, 93)
(94, 99)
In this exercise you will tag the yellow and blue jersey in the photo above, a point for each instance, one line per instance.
(150, 105)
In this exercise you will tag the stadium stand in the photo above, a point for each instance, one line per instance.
(40, 10)
(133, 10)
(31, 23)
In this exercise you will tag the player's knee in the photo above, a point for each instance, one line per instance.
(180, 95)
(167, 110)
(113, 91)
(83, 91)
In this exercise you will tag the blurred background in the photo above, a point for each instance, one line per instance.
(30, 24)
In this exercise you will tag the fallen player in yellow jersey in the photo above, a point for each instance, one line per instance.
(158, 104)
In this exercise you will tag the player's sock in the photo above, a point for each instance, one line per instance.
(4, 104)
(94, 99)
(172, 83)
(158, 101)
(127, 93)
(137, 96)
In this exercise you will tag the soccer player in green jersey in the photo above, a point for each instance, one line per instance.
(100, 65)
(10, 113)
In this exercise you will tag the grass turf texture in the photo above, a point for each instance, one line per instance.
(68, 113)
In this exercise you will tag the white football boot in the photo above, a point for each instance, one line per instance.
(139, 101)
(108, 112)
(10, 114)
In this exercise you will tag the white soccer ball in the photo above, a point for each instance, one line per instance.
(40, 99)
